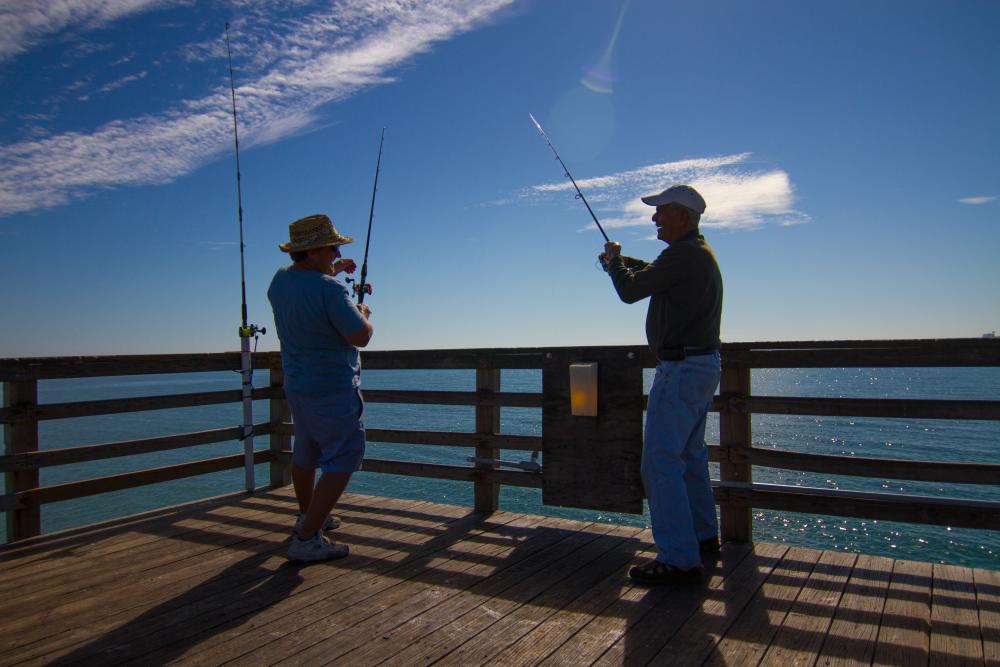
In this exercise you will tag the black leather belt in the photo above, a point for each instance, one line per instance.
(680, 353)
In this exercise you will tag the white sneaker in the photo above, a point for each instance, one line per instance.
(331, 523)
(315, 549)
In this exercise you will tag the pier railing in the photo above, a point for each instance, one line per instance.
(736, 491)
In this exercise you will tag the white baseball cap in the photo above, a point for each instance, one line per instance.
(684, 195)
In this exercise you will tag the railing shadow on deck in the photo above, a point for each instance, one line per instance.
(657, 623)
(254, 584)
(257, 581)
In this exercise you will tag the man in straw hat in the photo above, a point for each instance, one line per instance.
(684, 287)
(320, 329)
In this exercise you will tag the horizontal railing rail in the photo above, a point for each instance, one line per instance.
(110, 406)
(959, 513)
(949, 472)
(736, 491)
(491, 399)
(83, 453)
(61, 368)
(129, 480)
(898, 408)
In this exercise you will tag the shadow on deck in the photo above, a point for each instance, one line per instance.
(427, 583)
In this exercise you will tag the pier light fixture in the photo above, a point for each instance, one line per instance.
(583, 389)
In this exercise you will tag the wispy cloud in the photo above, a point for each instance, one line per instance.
(738, 196)
(115, 85)
(302, 62)
(121, 61)
(25, 24)
(977, 200)
(216, 246)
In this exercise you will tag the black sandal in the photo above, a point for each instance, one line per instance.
(655, 573)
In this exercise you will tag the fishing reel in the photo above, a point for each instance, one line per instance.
(356, 287)
(251, 330)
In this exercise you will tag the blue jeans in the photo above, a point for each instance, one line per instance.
(675, 458)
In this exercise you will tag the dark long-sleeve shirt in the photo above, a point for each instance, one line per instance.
(685, 289)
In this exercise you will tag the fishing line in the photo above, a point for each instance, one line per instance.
(579, 195)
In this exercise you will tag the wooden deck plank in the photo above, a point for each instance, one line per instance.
(805, 626)
(851, 638)
(505, 584)
(593, 639)
(254, 619)
(220, 623)
(696, 640)
(988, 600)
(67, 555)
(204, 538)
(209, 584)
(53, 617)
(575, 545)
(107, 535)
(528, 536)
(549, 595)
(746, 641)
(150, 618)
(552, 633)
(678, 604)
(73, 549)
(422, 586)
(177, 600)
(905, 628)
(955, 635)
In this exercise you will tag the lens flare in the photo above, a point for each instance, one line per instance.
(600, 78)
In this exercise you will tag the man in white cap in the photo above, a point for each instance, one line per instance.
(320, 329)
(684, 287)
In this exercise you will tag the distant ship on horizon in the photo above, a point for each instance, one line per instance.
(992, 334)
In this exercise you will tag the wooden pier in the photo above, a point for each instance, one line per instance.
(208, 584)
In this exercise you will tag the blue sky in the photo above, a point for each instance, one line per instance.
(847, 151)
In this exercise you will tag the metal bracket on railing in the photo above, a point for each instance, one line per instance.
(531, 466)
(720, 454)
(733, 402)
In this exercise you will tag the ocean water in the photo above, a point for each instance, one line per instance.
(961, 440)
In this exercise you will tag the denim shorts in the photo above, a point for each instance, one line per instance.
(329, 431)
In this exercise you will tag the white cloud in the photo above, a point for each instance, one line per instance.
(25, 24)
(977, 200)
(738, 197)
(306, 62)
(115, 85)
(216, 246)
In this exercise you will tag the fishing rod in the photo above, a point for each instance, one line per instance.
(245, 330)
(362, 287)
(579, 195)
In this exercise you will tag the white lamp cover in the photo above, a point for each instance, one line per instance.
(583, 389)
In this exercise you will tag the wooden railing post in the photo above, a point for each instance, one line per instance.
(20, 437)
(735, 433)
(280, 468)
(487, 494)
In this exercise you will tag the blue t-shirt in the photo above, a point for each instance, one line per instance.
(312, 311)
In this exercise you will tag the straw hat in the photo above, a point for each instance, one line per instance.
(313, 231)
